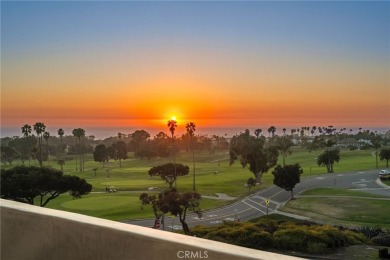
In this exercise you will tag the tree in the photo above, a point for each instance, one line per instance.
(61, 133)
(328, 158)
(191, 130)
(61, 163)
(317, 143)
(253, 152)
(8, 154)
(376, 141)
(258, 132)
(100, 154)
(137, 138)
(172, 124)
(149, 149)
(384, 154)
(26, 130)
(46, 136)
(167, 172)
(24, 184)
(120, 151)
(250, 183)
(162, 144)
(147, 199)
(22, 147)
(287, 176)
(272, 130)
(284, 145)
(176, 203)
(39, 128)
(79, 134)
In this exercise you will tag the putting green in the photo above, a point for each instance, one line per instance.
(99, 203)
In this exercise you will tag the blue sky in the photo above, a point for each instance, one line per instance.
(254, 56)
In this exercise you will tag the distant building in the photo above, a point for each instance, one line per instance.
(348, 142)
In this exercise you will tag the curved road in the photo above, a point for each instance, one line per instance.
(254, 206)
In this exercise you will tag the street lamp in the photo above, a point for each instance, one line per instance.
(162, 196)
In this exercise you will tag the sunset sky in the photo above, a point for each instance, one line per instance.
(218, 64)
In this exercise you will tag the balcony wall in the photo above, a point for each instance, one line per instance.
(32, 232)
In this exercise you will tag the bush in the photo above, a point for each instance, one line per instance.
(256, 240)
(283, 234)
(354, 238)
(370, 232)
(317, 248)
(382, 239)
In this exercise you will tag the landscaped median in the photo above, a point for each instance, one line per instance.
(282, 234)
(342, 207)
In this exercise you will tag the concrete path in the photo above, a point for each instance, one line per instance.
(220, 196)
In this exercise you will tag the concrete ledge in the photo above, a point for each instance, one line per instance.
(32, 232)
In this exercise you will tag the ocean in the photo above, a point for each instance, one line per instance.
(104, 132)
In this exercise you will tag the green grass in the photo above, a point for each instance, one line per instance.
(213, 175)
(114, 206)
(368, 211)
(338, 192)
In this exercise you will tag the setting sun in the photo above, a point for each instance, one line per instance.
(189, 68)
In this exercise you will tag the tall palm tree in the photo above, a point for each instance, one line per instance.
(26, 130)
(82, 139)
(61, 133)
(191, 130)
(75, 134)
(258, 132)
(39, 128)
(172, 124)
(272, 130)
(79, 134)
(46, 136)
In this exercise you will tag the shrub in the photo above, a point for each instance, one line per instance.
(317, 248)
(382, 239)
(370, 232)
(282, 234)
(354, 238)
(256, 240)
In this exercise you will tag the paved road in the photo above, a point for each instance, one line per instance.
(254, 205)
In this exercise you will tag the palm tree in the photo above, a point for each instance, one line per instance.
(61, 133)
(75, 134)
(313, 129)
(39, 128)
(82, 139)
(172, 124)
(190, 130)
(258, 132)
(26, 130)
(46, 135)
(79, 134)
(272, 130)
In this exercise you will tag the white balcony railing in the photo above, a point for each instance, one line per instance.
(32, 232)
